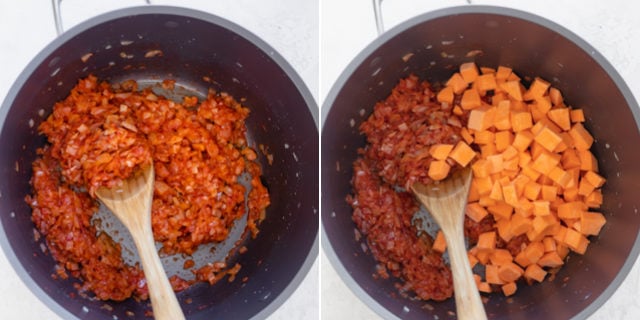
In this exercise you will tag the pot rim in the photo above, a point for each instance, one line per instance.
(462, 10)
(26, 73)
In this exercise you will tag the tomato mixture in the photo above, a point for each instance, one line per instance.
(399, 134)
(101, 134)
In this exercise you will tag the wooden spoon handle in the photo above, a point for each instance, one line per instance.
(163, 299)
(468, 302)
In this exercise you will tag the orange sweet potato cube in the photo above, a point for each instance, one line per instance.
(462, 153)
(521, 120)
(520, 181)
(595, 179)
(570, 194)
(570, 210)
(550, 260)
(504, 229)
(500, 257)
(559, 237)
(440, 151)
(503, 73)
(575, 177)
(541, 208)
(483, 185)
(438, 170)
(486, 82)
(525, 208)
(519, 224)
(475, 211)
(445, 95)
(487, 70)
(510, 153)
(491, 274)
(439, 243)
(535, 272)
(484, 287)
(524, 159)
(570, 159)
(549, 244)
(522, 140)
(549, 193)
(559, 176)
(548, 139)
(503, 140)
(581, 137)
(587, 161)
(470, 99)
(545, 162)
(457, 83)
(556, 96)
(481, 118)
(513, 88)
(576, 115)
(472, 260)
(496, 163)
(484, 137)
(496, 192)
(537, 89)
(542, 226)
(510, 195)
(530, 254)
(509, 272)
(500, 210)
(466, 135)
(469, 72)
(498, 97)
(563, 250)
(576, 241)
(561, 117)
(585, 187)
(483, 256)
(532, 190)
(487, 241)
(591, 223)
(508, 289)
(565, 144)
(481, 168)
(488, 149)
(540, 108)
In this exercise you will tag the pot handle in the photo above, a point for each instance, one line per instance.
(377, 11)
(57, 15)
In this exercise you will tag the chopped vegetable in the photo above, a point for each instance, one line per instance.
(534, 176)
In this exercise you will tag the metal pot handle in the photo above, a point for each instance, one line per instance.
(57, 15)
(377, 11)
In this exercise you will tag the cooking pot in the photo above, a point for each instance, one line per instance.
(200, 51)
(432, 46)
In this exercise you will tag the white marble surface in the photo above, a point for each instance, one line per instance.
(26, 26)
(348, 26)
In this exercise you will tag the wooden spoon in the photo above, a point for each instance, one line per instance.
(131, 203)
(446, 202)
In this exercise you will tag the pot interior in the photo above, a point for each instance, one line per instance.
(433, 46)
(199, 51)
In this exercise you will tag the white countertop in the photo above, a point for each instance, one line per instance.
(26, 26)
(347, 27)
